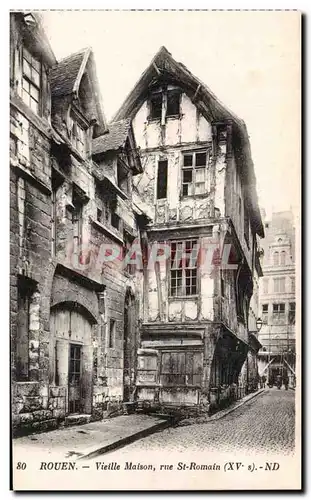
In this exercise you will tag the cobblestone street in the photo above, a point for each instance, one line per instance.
(265, 423)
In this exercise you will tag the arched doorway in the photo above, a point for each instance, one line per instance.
(71, 355)
(129, 347)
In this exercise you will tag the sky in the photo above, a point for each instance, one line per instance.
(250, 60)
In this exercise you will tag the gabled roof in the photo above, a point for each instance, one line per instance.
(64, 76)
(114, 139)
(164, 67)
(65, 79)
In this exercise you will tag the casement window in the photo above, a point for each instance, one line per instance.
(31, 81)
(265, 308)
(173, 103)
(278, 311)
(181, 368)
(162, 180)
(78, 138)
(123, 178)
(164, 104)
(77, 221)
(279, 285)
(109, 217)
(283, 258)
(276, 258)
(112, 333)
(194, 173)
(183, 268)
(292, 313)
(115, 221)
(155, 103)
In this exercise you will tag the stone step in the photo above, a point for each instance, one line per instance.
(77, 420)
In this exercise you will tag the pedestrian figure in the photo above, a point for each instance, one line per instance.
(286, 381)
(263, 381)
(279, 381)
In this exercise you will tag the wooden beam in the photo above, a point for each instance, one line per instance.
(157, 69)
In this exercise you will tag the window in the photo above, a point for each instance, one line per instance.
(266, 286)
(222, 285)
(292, 313)
(265, 313)
(279, 285)
(112, 333)
(276, 258)
(173, 100)
(283, 258)
(123, 177)
(115, 221)
(77, 226)
(164, 104)
(293, 284)
(162, 180)
(183, 279)
(278, 311)
(156, 106)
(31, 81)
(78, 138)
(221, 133)
(181, 368)
(194, 173)
(128, 241)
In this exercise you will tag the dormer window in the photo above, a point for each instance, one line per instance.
(78, 138)
(164, 104)
(156, 106)
(173, 103)
(31, 81)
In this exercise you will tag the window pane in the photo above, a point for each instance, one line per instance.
(26, 68)
(34, 105)
(26, 97)
(172, 104)
(27, 55)
(156, 106)
(34, 92)
(187, 175)
(200, 159)
(188, 160)
(36, 64)
(35, 76)
(200, 175)
(199, 188)
(26, 85)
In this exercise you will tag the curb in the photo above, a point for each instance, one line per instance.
(101, 449)
(230, 410)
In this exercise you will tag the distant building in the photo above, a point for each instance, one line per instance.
(277, 299)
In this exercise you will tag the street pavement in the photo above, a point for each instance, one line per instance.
(264, 424)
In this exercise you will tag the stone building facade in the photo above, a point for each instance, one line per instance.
(133, 245)
(199, 190)
(71, 305)
(277, 299)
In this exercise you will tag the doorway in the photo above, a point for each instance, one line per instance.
(129, 347)
(71, 356)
